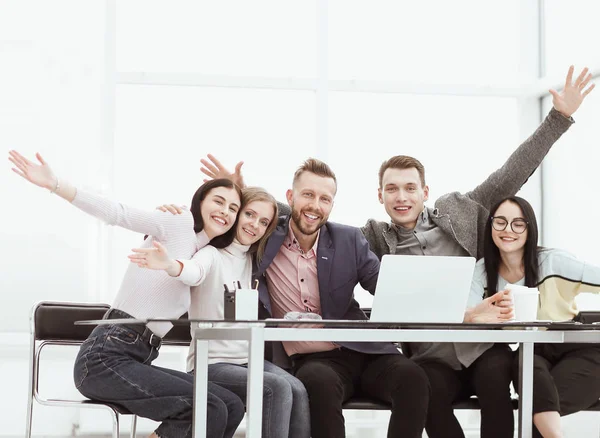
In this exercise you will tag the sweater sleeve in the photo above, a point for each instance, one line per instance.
(154, 223)
(477, 285)
(574, 276)
(515, 172)
(194, 271)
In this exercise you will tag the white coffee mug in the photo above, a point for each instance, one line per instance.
(525, 301)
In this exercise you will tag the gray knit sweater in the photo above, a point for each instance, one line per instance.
(463, 216)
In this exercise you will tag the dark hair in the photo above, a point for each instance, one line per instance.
(402, 162)
(224, 239)
(530, 256)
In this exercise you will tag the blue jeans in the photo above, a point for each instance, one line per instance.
(285, 400)
(114, 365)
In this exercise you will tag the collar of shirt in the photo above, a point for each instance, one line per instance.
(292, 244)
(421, 221)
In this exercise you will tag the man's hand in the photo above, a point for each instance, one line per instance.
(497, 308)
(571, 96)
(171, 208)
(214, 169)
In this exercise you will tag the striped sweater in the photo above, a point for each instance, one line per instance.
(561, 278)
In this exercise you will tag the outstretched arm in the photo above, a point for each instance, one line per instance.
(113, 213)
(213, 168)
(509, 179)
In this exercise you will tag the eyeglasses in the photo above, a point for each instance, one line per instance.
(517, 225)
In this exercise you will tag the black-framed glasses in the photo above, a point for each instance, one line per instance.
(499, 223)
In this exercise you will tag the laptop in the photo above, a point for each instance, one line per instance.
(422, 289)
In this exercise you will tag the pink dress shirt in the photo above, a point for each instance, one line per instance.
(294, 287)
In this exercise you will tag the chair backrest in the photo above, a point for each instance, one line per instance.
(180, 334)
(56, 320)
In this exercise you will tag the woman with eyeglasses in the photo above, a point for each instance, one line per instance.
(566, 377)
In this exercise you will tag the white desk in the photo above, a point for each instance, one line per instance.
(256, 333)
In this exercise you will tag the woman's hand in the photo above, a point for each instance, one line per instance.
(156, 258)
(497, 308)
(39, 174)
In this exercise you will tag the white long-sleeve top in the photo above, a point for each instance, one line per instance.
(207, 272)
(145, 293)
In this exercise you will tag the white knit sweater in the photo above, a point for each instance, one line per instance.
(146, 293)
(208, 270)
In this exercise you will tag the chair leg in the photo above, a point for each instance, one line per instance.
(29, 416)
(133, 425)
(115, 416)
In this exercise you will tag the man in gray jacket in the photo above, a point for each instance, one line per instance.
(455, 227)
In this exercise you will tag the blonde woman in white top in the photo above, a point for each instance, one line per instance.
(114, 364)
(285, 400)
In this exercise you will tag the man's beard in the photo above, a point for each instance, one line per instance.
(297, 218)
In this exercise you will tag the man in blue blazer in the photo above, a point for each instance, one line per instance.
(313, 265)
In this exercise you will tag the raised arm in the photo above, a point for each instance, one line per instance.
(507, 180)
(152, 223)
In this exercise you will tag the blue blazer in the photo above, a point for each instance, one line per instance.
(343, 260)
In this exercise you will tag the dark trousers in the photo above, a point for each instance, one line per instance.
(115, 365)
(488, 378)
(332, 377)
(566, 378)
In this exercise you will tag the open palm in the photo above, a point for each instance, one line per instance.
(151, 258)
(39, 174)
(570, 97)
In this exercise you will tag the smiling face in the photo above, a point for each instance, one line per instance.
(254, 221)
(219, 210)
(507, 240)
(311, 201)
(403, 196)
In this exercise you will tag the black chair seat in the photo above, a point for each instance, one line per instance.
(367, 404)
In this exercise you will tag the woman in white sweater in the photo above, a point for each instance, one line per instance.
(285, 400)
(115, 363)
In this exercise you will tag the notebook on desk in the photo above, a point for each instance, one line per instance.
(422, 289)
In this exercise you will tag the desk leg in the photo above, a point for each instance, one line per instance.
(200, 388)
(256, 358)
(526, 390)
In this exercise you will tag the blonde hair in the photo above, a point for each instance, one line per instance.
(252, 194)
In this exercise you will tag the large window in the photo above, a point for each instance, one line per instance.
(51, 88)
(232, 37)
(571, 183)
(571, 35)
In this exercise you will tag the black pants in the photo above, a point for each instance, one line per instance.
(488, 378)
(566, 378)
(332, 377)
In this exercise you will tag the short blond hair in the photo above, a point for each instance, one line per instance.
(317, 167)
